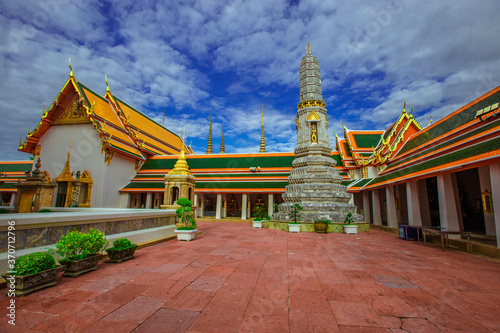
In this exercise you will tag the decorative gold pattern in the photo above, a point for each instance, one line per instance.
(487, 202)
(74, 114)
(65, 175)
(364, 172)
(313, 116)
(309, 103)
(314, 133)
(181, 167)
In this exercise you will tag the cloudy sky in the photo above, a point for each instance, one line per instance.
(180, 56)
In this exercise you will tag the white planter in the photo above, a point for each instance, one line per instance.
(293, 227)
(257, 224)
(186, 235)
(350, 229)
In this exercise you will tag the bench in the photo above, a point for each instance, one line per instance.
(444, 236)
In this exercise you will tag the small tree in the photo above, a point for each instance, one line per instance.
(275, 207)
(294, 214)
(260, 212)
(349, 219)
(185, 214)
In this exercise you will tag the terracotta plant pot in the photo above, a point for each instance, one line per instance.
(117, 256)
(76, 268)
(29, 283)
(320, 227)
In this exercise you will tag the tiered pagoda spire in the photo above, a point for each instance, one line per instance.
(209, 145)
(262, 138)
(222, 149)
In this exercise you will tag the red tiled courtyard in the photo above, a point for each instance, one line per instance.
(234, 278)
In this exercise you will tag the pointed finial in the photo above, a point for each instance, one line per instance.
(209, 144)
(222, 148)
(71, 73)
(164, 111)
(404, 106)
(262, 138)
(430, 121)
(308, 49)
(411, 111)
(106, 79)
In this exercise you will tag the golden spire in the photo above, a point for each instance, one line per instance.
(430, 121)
(106, 79)
(262, 139)
(71, 73)
(209, 145)
(181, 167)
(65, 174)
(222, 149)
(308, 49)
(163, 124)
(404, 106)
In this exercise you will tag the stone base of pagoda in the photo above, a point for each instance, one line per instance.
(317, 211)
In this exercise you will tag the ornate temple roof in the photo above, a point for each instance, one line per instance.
(122, 128)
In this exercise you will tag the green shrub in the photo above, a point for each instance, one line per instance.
(294, 214)
(275, 207)
(185, 214)
(260, 212)
(33, 263)
(184, 202)
(76, 245)
(349, 219)
(45, 210)
(325, 221)
(3, 211)
(121, 244)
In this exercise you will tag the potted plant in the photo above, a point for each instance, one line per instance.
(81, 251)
(32, 272)
(259, 216)
(294, 225)
(349, 226)
(188, 231)
(122, 250)
(321, 226)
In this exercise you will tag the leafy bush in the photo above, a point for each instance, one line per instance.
(275, 207)
(185, 214)
(349, 219)
(268, 217)
(3, 211)
(45, 210)
(33, 263)
(294, 214)
(76, 245)
(121, 244)
(325, 221)
(260, 212)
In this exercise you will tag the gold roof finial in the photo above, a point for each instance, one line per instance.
(106, 79)
(209, 144)
(222, 149)
(404, 106)
(411, 111)
(262, 138)
(181, 167)
(308, 49)
(430, 121)
(71, 73)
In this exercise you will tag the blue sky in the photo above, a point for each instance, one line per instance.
(180, 56)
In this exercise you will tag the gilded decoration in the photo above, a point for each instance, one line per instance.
(314, 133)
(487, 202)
(351, 173)
(309, 103)
(74, 114)
(313, 116)
(364, 172)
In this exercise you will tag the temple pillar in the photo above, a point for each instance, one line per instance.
(447, 204)
(244, 206)
(413, 199)
(197, 210)
(149, 199)
(495, 197)
(366, 206)
(270, 204)
(485, 185)
(218, 207)
(377, 214)
(392, 218)
(224, 205)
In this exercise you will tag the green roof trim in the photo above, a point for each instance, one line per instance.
(449, 124)
(249, 185)
(468, 152)
(366, 140)
(347, 150)
(363, 182)
(337, 159)
(222, 163)
(431, 148)
(16, 167)
(6, 186)
(160, 185)
(347, 182)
